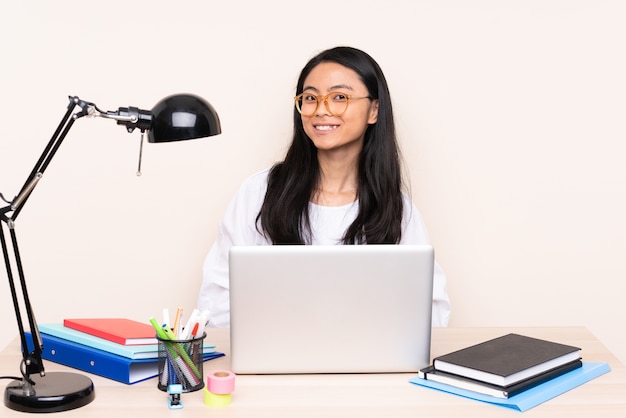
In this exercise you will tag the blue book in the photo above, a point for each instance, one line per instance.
(533, 396)
(99, 362)
(135, 352)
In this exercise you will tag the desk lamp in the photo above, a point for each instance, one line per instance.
(174, 118)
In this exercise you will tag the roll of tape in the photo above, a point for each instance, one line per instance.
(214, 399)
(220, 382)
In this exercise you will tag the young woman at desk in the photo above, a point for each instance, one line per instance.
(340, 182)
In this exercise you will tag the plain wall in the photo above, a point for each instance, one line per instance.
(511, 116)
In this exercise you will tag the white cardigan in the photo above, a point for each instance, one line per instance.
(328, 225)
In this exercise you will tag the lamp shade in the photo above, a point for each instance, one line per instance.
(183, 116)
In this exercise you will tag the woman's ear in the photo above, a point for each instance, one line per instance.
(373, 114)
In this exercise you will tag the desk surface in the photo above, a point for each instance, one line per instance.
(377, 395)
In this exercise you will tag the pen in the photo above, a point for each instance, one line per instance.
(159, 330)
(204, 318)
(169, 334)
(175, 329)
(166, 317)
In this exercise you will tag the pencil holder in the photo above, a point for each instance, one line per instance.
(180, 362)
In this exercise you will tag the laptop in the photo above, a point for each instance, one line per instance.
(330, 309)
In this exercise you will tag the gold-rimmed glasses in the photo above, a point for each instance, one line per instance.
(336, 102)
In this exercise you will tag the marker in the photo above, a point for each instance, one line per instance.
(195, 330)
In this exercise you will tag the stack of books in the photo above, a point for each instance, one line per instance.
(509, 368)
(116, 348)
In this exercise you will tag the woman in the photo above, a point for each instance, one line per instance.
(340, 182)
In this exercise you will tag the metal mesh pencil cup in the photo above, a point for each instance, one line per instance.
(180, 362)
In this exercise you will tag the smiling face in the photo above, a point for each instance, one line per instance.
(344, 132)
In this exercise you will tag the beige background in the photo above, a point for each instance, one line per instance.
(511, 116)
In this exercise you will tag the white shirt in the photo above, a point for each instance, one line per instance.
(328, 224)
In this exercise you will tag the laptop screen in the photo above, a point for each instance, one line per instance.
(330, 309)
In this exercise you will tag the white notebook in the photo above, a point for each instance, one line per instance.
(330, 309)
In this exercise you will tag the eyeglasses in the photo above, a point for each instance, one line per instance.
(336, 103)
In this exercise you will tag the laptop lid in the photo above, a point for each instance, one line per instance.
(330, 309)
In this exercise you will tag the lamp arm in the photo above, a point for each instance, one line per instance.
(32, 360)
(130, 117)
(42, 163)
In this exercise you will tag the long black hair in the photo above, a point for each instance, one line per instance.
(284, 215)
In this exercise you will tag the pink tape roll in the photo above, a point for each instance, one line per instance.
(220, 382)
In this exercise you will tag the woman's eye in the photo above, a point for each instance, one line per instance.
(339, 97)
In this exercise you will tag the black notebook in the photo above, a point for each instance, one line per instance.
(504, 392)
(507, 360)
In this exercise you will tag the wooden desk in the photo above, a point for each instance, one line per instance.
(379, 395)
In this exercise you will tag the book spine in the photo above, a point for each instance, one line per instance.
(544, 377)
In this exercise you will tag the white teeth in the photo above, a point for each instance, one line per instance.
(325, 127)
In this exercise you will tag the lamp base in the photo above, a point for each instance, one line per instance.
(54, 392)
